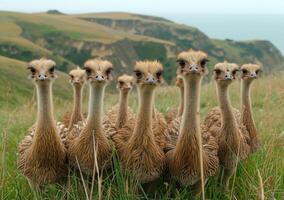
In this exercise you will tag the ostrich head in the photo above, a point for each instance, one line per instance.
(148, 73)
(225, 73)
(125, 83)
(42, 71)
(250, 71)
(192, 63)
(77, 77)
(98, 71)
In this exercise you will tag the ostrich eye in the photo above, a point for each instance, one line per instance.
(88, 71)
(108, 71)
(159, 74)
(181, 63)
(51, 70)
(32, 70)
(217, 71)
(244, 71)
(120, 82)
(71, 76)
(138, 74)
(258, 71)
(234, 72)
(203, 62)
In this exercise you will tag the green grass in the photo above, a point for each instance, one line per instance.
(18, 112)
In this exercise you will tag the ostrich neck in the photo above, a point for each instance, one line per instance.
(122, 112)
(190, 125)
(228, 119)
(143, 126)
(247, 117)
(45, 117)
(47, 146)
(181, 102)
(94, 119)
(76, 113)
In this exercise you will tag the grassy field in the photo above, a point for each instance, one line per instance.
(263, 170)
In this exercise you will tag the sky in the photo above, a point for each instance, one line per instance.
(157, 7)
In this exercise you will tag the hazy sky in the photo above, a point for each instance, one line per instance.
(148, 6)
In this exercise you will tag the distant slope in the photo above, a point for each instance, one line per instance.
(16, 88)
(186, 37)
(122, 38)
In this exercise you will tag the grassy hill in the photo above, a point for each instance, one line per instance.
(122, 38)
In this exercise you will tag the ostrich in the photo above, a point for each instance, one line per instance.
(88, 143)
(194, 150)
(121, 113)
(42, 155)
(231, 134)
(142, 151)
(77, 79)
(249, 73)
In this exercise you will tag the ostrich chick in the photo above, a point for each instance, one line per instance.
(42, 155)
(143, 153)
(249, 73)
(194, 150)
(77, 79)
(88, 146)
(232, 136)
(121, 114)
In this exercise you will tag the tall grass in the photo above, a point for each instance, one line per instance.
(261, 176)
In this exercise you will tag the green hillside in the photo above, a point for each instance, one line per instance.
(16, 89)
(122, 38)
(185, 37)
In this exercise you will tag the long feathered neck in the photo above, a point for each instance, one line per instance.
(94, 119)
(123, 106)
(247, 116)
(181, 102)
(143, 126)
(77, 98)
(45, 118)
(228, 119)
(46, 134)
(190, 124)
